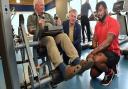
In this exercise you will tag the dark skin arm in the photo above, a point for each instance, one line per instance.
(105, 44)
(94, 41)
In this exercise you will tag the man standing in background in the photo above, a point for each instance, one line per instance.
(85, 20)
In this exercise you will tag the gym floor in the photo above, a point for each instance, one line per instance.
(85, 82)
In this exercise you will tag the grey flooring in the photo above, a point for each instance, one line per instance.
(85, 82)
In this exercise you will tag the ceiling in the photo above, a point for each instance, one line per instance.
(26, 2)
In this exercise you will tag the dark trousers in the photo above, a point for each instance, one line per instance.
(85, 22)
(112, 58)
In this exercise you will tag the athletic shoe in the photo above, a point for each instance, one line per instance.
(108, 78)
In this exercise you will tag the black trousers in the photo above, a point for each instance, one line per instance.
(112, 58)
(85, 22)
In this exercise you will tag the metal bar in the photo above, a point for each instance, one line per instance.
(22, 45)
(21, 62)
(39, 83)
(2, 78)
(28, 51)
(43, 81)
(125, 21)
(7, 51)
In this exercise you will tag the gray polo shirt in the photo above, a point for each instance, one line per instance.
(85, 9)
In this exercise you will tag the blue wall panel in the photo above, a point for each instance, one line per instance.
(19, 7)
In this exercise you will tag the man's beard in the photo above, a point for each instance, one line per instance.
(103, 18)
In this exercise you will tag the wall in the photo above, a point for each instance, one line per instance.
(15, 20)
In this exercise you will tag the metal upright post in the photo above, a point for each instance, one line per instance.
(7, 51)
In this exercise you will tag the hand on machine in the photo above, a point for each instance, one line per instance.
(47, 29)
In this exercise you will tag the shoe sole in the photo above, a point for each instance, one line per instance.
(109, 81)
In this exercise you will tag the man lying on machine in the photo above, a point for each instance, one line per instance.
(106, 53)
(38, 21)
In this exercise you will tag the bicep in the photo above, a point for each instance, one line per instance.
(30, 25)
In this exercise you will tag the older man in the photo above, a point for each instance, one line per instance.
(73, 29)
(36, 22)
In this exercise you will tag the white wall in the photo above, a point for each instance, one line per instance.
(15, 20)
(52, 12)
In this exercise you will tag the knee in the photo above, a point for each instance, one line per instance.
(100, 58)
(98, 62)
(101, 66)
(63, 35)
(47, 40)
(50, 39)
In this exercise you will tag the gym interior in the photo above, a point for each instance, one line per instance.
(17, 68)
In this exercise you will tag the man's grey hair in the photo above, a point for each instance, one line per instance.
(72, 10)
(37, 1)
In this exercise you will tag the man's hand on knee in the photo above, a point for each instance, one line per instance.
(90, 56)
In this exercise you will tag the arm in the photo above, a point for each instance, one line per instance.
(94, 41)
(91, 10)
(31, 26)
(36, 22)
(78, 34)
(89, 6)
(65, 25)
(101, 47)
(113, 32)
(105, 44)
(93, 13)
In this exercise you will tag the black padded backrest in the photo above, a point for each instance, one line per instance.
(21, 19)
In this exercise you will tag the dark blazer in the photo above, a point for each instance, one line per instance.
(76, 36)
